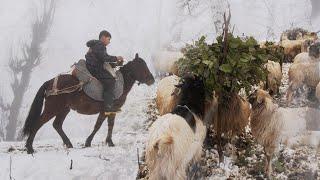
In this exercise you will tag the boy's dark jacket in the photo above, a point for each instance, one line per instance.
(97, 54)
(95, 58)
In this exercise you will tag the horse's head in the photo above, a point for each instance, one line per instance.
(140, 71)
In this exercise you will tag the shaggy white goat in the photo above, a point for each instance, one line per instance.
(266, 124)
(167, 98)
(274, 76)
(175, 139)
(302, 74)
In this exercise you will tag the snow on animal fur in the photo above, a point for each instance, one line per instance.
(302, 74)
(167, 98)
(176, 141)
(266, 124)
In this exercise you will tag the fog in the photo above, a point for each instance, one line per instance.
(137, 26)
(141, 26)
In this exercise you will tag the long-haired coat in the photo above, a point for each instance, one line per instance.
(266, 124)
(176, 138)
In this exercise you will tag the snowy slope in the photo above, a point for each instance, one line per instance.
(52, 160)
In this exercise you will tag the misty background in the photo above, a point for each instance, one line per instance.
(141, 26)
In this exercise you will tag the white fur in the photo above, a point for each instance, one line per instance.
(172, 145)
(266, 127)
(274, 75)
(302, 74)
(165, 99)
(294, 47)
(164, 61)
(304, 58)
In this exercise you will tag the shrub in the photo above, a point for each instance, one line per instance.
(241, 67)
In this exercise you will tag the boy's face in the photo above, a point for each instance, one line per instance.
(105, 40)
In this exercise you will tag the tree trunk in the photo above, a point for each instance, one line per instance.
(24, 66)
(16, 105)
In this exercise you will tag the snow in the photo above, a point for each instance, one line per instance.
(52, 160)
(137, 29)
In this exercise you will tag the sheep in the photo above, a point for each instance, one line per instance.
(298, 34)
(266, 124)
(274, 77)
(167, 98)
(318, 91)
(311, 56)
(231, 118)
(295, 41)
(232, 123)
(233, 112)
(165, 62)
(306, 44)
(291, 48)
(302, 74)
(175, 139)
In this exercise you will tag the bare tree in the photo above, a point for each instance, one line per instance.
(21, 67)
(189, 5)
(215, 7)
(271, 35)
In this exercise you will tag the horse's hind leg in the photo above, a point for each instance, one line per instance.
(110, 128)
(57, 124)
(45, 117)
(97, 126)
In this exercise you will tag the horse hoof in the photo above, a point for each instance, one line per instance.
(87, 144)
(30, 150)
(110, 143)
(69, 146)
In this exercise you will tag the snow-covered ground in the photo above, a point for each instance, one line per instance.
(52, 160)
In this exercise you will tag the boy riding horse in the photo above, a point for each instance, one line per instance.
(95, 59)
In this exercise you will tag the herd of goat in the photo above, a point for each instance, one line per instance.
(177, 136)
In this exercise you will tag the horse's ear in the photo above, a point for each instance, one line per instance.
(137, 56)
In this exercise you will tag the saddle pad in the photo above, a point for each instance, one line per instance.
(92, 87)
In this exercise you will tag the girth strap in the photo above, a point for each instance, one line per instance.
(55, 91)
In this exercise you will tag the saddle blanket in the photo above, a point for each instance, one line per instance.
(92, 87)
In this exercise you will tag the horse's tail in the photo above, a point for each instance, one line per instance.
(35, 110)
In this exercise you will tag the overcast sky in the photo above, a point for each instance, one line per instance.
(136, 26)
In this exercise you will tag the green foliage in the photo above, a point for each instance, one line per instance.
(242, 67)
(274, 52)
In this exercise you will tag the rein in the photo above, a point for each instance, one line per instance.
(126, 72)
(186, 107)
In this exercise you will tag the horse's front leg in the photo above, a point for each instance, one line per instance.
(111, 119)
(97, 126)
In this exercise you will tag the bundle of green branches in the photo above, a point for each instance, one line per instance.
(274, 52)
(241, 65)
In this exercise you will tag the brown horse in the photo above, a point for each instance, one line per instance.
(59, 106)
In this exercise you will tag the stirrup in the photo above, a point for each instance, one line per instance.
(109, 113)
(112, 112)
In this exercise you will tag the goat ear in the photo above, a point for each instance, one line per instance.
(137, 56)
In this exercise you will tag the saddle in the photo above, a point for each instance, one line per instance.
(88, 83)
(91, 86)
